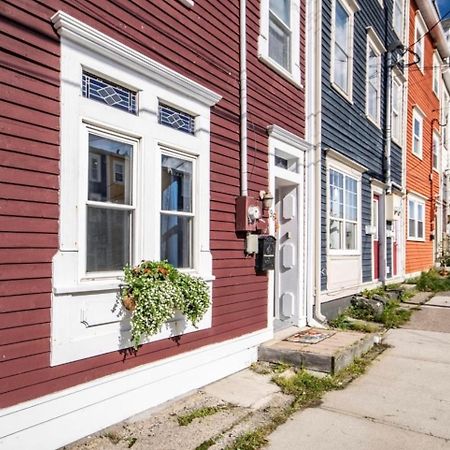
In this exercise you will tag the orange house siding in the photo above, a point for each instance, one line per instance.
(420, 177)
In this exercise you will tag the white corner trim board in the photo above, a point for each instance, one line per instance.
(72, 29)
(90, 407)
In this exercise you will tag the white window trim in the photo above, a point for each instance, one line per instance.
(399, 79)
(351, 6)
(436, 73)
(416, 200)
(444, 116)
(436, 138)
(417, 114)
(401, 36)
(374, 43)
(187, 3)
(80, 300)
(293, 76)
(354, 171)
(419, 32)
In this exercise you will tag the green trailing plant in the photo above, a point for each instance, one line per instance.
(155, 290)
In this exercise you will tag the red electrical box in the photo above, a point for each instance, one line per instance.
(248, 212)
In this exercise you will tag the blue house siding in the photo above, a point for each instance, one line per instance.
(345, 127)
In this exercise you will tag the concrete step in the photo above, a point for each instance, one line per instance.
(329, 355)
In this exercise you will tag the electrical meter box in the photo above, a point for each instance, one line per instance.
(265, 258)
(248, 213)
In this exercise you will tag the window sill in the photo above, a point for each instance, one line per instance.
(413, 239)
(280, 71)
(341, 92)
(417, 156)
(373, 121)
(343, 253)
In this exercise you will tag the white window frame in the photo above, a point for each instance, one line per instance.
(341, 164)
(419, 40)
(436, 73)
(417, 115)
(375, 44)
(436, 151)
(351, 7)
(294, 74)
(400, 33)
(445, 107)
(413, 233)
(396, 133)
(84, 323)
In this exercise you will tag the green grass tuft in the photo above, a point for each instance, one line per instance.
(251, 440)
(186, 419)
(431, 281)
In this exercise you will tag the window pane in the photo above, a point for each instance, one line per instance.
(420, 229)
(176, 184)
(412, 228)
(109, 170)
(108, 239)
(336, 234)
(282, 8)
(340, 68)
(350, 236)
(411, 210)
(176, 240)
(342, 20)
(279, 44)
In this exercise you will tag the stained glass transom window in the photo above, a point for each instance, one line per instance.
(175, 118)
(104, 91)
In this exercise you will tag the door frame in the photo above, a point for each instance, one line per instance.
(286, 144)
(376, 191)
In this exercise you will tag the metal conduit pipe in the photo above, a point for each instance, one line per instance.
(243, 95)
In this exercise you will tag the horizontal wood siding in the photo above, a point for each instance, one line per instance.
(420, 177)
(201, 43)
(346, 128)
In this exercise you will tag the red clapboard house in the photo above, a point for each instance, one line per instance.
(123, 91)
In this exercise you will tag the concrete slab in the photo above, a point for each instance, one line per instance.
(431, 318)
(320, 429)
(440, 300)
(420, 298)
(329, 355)
(246, 389)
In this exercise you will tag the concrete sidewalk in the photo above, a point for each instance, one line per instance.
(402, 402)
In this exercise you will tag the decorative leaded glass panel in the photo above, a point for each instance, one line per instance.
(175, 118)
(112, 94)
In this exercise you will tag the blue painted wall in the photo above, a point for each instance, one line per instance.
(345, 127)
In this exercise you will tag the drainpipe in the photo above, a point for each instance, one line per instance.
(387, 158)
(243, 95)
(314, 314)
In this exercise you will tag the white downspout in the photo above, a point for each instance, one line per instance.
(243, 95)
(313, 86)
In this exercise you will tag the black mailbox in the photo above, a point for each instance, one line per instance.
(265, 258)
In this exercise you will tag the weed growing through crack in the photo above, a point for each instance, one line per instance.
(206, 411)
(307, 391)
(113, 437)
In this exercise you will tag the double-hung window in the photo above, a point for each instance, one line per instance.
(419, 42)
(416, 219)
(396, 125)
(436, 150)
(436, 74)
(397, 18)
(373, 76)
(417, 132)
(279, 39)
(342, 45)
(343, 211)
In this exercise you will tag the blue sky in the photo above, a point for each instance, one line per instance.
(444, 6)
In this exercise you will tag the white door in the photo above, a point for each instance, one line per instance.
(287, 277)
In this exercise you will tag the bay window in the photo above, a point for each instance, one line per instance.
(343, 211)
(135, 173)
